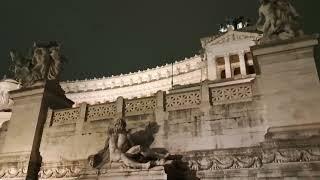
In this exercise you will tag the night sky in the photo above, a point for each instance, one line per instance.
(106, 37)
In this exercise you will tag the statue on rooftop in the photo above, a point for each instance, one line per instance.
(44, 64)
(119, 148)
(278, 20)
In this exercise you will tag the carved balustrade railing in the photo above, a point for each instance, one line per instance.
(101, 111)
(65, 116)
(184, 100)
(231, 94)
(188, 98)
(140, 106)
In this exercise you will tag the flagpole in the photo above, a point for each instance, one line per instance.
(171, 75)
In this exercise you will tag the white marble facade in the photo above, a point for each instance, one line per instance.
(226, 56)
(5, 102)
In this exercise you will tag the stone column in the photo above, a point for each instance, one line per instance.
(243, 68)
(205, 105)
(26, 125)
(212, 67)
(120, 107)
(161, 119)
(82, 118)
(227, 65)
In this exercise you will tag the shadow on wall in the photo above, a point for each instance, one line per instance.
(317, 59)
(177, 171)
(146, 137)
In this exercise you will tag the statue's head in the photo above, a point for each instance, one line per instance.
(119, 125)
(55, 53)
(45, 49)
(40, 52)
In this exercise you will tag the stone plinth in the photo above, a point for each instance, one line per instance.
(288, 82)
(29, 114)
(156, 173)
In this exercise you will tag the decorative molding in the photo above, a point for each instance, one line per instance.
(253, 160)
(13, 172)
(60, 172)
(291, 155)
(220, 163)
(230, 36)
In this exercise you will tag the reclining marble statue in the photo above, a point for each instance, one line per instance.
(119, 148)
(44, 63)
(278, 20)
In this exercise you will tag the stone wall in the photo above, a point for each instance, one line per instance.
(185, 122)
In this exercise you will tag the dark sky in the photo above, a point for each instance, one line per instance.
(105, 37)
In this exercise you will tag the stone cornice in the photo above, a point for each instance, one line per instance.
(140, 77)
(230, 36)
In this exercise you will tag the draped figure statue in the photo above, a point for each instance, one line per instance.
(45, 63)
(119, 148)
(278, 19)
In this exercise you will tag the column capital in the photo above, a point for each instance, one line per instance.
(242, 52)
(226, 55)
(243, 67)
(227, 65)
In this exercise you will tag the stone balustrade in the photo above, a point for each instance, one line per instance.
(231, 94)
(185, 98)
(66, 116)
(101, 111)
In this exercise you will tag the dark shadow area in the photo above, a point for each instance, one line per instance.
(317, 59)
(4, 127)
(145, 137)
(178, 170)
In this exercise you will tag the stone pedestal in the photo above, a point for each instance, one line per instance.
(29, 114)
(156, 173)
(288, 82)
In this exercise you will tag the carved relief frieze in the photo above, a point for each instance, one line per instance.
(62, 170)
(13, 172)
(255, 159)
(225, 162)
(291, 155)
(59, 172)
